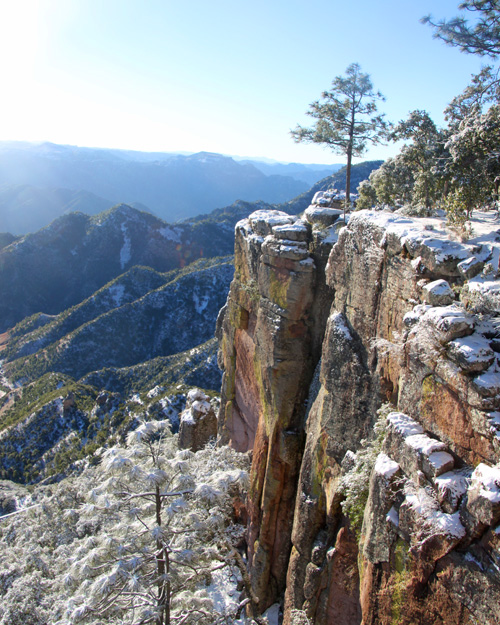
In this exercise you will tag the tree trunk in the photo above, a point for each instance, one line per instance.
(163, 617)
(349, 158)
(348, 180)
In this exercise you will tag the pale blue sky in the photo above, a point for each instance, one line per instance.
(224, 76)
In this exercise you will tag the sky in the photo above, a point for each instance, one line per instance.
(226, 76)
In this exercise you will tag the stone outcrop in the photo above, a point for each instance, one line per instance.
(198, 421)
(323, 325)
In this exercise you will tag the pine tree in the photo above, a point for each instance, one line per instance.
(346, 118)
(166, 513)
(482, 37)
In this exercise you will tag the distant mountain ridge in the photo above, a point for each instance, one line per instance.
(306, 173)
(59, 266)
(25, 208)
(173, 187)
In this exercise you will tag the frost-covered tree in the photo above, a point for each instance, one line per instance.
(474, 166)
(482, 36)
(166, 517)
(458, 167)
(36, 544)
(423, 155)
(389, 185)
(483, 91)
(415, 175)
(72, 540)
(346, 118)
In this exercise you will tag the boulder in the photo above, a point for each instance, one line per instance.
(438, 293)
(483, 501)
(322, 216)
(198, 422)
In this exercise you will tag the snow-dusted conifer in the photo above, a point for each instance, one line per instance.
(166, 513)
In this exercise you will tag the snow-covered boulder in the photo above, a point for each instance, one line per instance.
(438, 293)
(323, 216)
(297, 231)
(263, 221)
(470, 267)
(198, 421)
(451, 321)
(483, 500)
(471, 353)
(414, 450)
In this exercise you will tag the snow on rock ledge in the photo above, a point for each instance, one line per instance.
(471, 353)
(451, 321)
(428, 240)
(263, 221)
(422, 518)
(414, 450)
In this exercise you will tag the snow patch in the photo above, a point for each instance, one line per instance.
(171, 234)
(424, 444)
(223, 591)
(475, 350)
(432, 235)
(452, 483)
(271, 217)
(386, 466)
(440, 459)
(414, 316)
(489, 381)
(403, 424)
(393, 517)
(438, 293)
(487, 479)
(298, 228)
(154, 392)
(200, 303)
(338, 321)
(436, 521)
(116, 292)
(126, 251)
(450, 318)
(272, 614)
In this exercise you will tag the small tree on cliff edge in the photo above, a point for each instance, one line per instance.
(346, 118)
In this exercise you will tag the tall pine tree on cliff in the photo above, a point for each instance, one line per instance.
(346, 119)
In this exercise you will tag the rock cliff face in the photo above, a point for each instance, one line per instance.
(359, 514)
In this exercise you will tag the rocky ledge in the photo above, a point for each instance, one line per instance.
(361, 367)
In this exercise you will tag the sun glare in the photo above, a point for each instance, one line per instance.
(19, 39)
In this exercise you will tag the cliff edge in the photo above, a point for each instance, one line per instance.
(361, 367)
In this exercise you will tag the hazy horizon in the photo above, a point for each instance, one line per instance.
(220, 77)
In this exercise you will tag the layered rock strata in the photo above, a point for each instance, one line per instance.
(310, 351)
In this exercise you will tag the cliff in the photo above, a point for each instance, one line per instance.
(369, 394)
